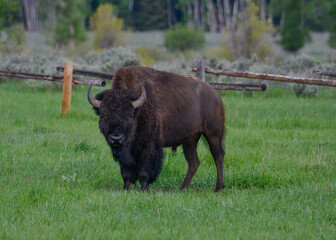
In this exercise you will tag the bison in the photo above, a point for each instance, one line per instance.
(147, 110)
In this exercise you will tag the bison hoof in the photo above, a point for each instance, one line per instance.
(218, 189)
(145, 189)
(127, 185)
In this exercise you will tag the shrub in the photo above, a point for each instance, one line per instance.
(182, 38)
(108, 29)
(302, 90)
(108, 61)
(149, 55)
(242, 64)
(299, 63)
(15, 40)
(33, 64)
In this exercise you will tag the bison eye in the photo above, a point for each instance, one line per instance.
(131, 115)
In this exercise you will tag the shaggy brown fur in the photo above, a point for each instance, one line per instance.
(177, 111)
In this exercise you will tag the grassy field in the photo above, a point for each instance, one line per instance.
(58, 179)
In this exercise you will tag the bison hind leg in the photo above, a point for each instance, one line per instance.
(217, 151)
(190, 153)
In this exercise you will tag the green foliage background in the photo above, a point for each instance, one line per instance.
(292, 35)
(182, 38)
(70, 25)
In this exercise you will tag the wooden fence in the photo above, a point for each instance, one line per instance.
(201, 70)
(67, 80)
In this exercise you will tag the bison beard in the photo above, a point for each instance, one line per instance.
(131, 171)
(146, 110)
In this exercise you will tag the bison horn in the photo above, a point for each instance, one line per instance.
(94, 102)
(142, 99)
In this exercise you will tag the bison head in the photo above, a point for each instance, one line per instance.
(118, 110)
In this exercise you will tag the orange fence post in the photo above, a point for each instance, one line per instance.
(67, 87)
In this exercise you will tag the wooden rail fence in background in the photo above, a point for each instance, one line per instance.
(201, 70)
(67, 80)
(75, 80)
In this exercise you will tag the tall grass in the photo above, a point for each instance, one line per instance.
(58, 179)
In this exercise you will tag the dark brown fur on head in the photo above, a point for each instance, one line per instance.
(118, 117)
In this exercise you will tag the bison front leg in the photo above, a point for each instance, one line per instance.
(144, 180)
(129, 176)
(151, 163)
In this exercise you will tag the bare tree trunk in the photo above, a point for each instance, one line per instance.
(242, 4)
(52, 16)
(49, 7)
(202, 9)
(302, 14)
(169, 14)
(227, 10)
(220, 15)
(282, 19)
(270, 15)
(190, 15)
(211, 17)
(130, 6)
(30, 15)
(235, 13)
(197, 14)
(263, 11)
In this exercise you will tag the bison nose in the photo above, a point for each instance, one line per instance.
(116, 139)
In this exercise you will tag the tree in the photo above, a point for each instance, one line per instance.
(149, 15)
(250, 33)
(15, 39)
(292, 34)
(8, 9)
(30, 14)
(332, 24)
(70, 23)
(107, 27)
(248, 37)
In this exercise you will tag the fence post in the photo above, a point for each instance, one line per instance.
(67, 87)
(201, 68)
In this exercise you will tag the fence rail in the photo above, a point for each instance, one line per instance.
(324, 73)
(34, 76)
(88, 73)
(272, 77)
(239, 87)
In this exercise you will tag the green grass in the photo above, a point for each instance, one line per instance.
(58, 179)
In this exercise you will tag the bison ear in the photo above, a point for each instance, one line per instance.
(99, 97)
